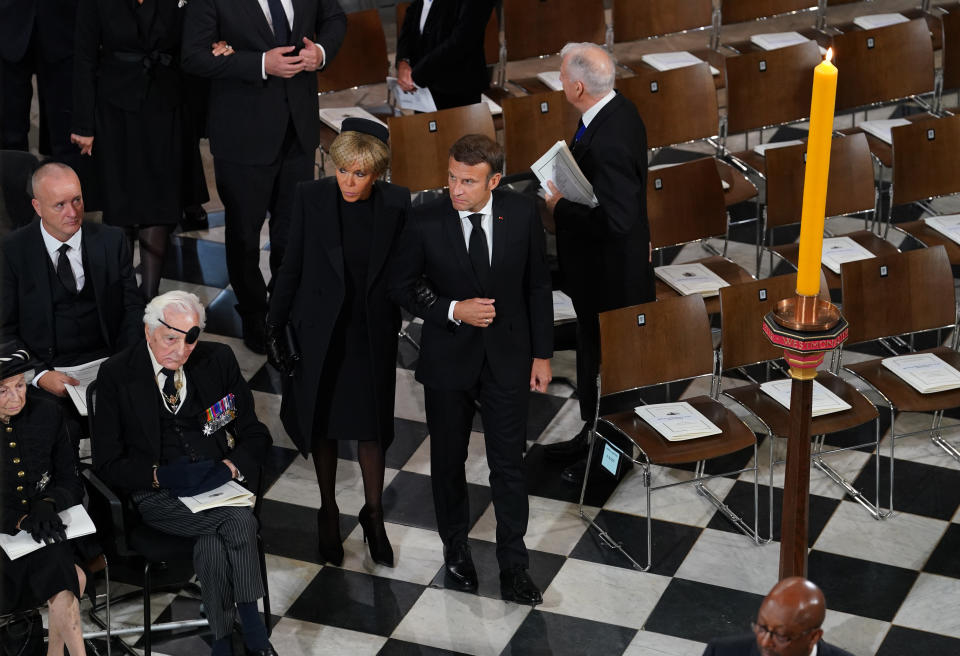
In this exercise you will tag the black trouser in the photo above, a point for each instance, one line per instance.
(588, 359)
(54, 86)
(449, 419)
(248, 192)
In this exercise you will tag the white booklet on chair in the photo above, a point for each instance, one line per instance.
(760, 149)
(948, 225)
(665, 61)
(689, 279)
(775, 40)
(677, 421)
(925, 372)
(825, 402)
(551, 79)
(873, 21)
(881, 128)
(230, 493)
(837, 250)
(76, 520)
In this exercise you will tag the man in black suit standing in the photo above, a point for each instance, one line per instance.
(604, 251)
(68, 292)
(36, 38)
(487, 337)
(788, 624)
(263, 122)
(175, 418)
(440, 48)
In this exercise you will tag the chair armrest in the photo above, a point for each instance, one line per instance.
(106, 495)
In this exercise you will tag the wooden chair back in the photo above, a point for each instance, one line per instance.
(362, 59)
(533, 28)
(950, 54)
(850, 185)
(770, 87)
(419, 143)
(897, 294)
(677, 106)
(883, 64)
(634, 20)
(685, 203)
(654, 343)
(739, 11)
(532, 124)
(491, 37)
(926, 159)
(742, 308)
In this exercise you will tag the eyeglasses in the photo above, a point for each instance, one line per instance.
(778, 638)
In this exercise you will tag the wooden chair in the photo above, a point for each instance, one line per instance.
(902, 294)
(362, 59)
(950, 54)
(532, 124)
(766, 89)
(419, 143)
(850, 190)
(684, 205)
(634, 20)
(741, 11)
(923, 168)
(491, 37)
(657, 343)
(742, 308)
(883, 65)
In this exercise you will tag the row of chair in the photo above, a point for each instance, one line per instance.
(887, 298)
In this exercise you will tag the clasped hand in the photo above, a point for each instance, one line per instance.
(279, 61)
(43, 523)
(478, 312)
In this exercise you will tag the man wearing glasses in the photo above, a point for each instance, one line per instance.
(175, 418)
(788, 624)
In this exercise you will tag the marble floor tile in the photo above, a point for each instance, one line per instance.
(701, 612)
(553, 526)
(858, 635)
(677, 504)
(418, 554)
(565, 424)
(204, 293)
(552, 634)
(848, 463)
(603, 593)
(288, 579)
(476, 468)
(409, 397)
(920, 489)
(919, 448)
(292, 636)
(249, 361)
(461, 622)
(926, 607)
(944, 559)
(903, 540)
(648, 643)
(860, 587)
(732, 560)
(901, 640)
(268, 411)
(298, 485)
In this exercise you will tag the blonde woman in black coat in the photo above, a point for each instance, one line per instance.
(332, 291)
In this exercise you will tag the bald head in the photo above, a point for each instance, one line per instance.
(587, 73)
(789, 618)
(802, 598)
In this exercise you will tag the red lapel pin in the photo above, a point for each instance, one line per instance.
(499, 218)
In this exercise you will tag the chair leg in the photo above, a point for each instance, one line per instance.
(146, 609)
(770, 449)
(726, 510)
(106, 576)
(937, 437)
(266, 584)
(836, 477)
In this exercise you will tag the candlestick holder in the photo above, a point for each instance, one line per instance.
(806, 327)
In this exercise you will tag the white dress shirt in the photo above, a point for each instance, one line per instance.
(424, 12)
(487, 224)
(161, 379)
(593, 111)
(74, 257)
(288, 10)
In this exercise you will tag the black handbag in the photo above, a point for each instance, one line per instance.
(21, 634)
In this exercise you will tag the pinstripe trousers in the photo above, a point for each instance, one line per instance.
(224, 556)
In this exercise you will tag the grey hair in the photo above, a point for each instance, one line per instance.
(177, 300)
(596, 75)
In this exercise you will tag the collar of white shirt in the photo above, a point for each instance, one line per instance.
(53, 244)
(813, 652)
(161, 379)
(591, 113)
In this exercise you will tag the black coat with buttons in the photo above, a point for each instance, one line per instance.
(39, 462)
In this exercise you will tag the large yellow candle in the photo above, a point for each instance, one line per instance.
(815, 179)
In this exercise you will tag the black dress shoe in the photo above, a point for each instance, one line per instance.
(194, 218)
(570, 451)
(255, 333)
(516, 585)
(574, 473)
(460, 574)
(269, 651)
(375, 535)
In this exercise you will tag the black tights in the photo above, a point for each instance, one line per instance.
(153, 248)
(370, 456)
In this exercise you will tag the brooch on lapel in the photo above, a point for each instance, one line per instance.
(181, 4)
(220, 414)
(499, 218)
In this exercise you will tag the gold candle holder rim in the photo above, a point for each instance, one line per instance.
(806, 313)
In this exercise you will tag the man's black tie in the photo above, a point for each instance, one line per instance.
(281, 28)
(479, 255)
(65, 271)
(170, 386)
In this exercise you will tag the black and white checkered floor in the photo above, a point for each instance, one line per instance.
(892, 586)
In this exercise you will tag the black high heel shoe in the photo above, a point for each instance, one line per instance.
(329, 542)
(375, 535)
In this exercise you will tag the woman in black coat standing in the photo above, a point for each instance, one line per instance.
(127, 97)
(332, 291)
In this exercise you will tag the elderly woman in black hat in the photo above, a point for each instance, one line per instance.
(330, 301)
(40, 479)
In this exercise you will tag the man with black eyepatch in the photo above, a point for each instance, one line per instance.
(175, 418)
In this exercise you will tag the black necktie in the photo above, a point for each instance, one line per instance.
(581, 128)
(479, 255)
(65, 271)
(170, 390)
(281, 29)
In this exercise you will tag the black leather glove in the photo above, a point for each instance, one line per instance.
(277, 352)
(219, 475)
(425, 296)
(43, 523)
(183, 478)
